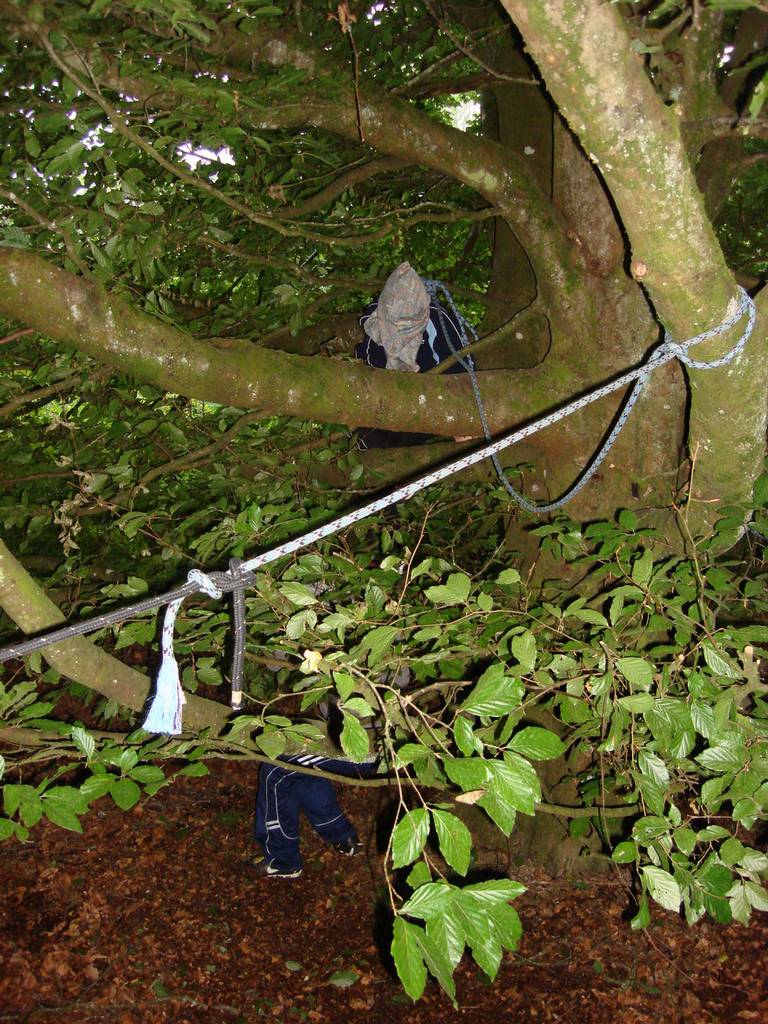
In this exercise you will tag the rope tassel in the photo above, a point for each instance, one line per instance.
(164, 715)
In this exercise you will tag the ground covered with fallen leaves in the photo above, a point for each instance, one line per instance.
(154, 917)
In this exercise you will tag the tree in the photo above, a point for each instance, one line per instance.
(196, 198)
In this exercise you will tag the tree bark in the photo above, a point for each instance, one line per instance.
(601, 88)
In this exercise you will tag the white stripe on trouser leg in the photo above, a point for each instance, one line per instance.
(320, 824)
(277, 806)
(274, 822)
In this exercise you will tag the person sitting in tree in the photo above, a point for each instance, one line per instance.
(406, 330)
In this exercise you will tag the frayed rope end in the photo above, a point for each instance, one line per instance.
(164, 715)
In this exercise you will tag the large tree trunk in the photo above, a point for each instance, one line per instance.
(584, 54)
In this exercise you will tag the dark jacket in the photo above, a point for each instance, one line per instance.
(433, 350)
(434, 347)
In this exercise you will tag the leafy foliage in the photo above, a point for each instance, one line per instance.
(655, 678)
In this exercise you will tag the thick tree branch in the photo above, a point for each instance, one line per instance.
(335, 332)
(83, 314)
(724, 126)
(354, 176)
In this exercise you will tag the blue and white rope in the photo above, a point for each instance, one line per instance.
(165, 712)
(667, 351)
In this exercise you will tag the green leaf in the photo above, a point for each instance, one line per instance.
(446, 934)
(354, 738)
(495, 694)
(487, 953)
(508, 577)
(731, 851)
(651, 827)
(31, 811)
(61, 815)
(524, 649)
(495, 890)
(125, 793)
(499, 810)
(685, 840)
(515, 781)
(464, 736)
(358, 706)
(652, 765)
(429, 900)
(298, 594)
(624, 853)
(642, 568)
(477, 925)
(197, 769)
(409, 837)
(344, 979)
(378, 641)
(589, 615)
(636, 671)
(272, 742)
(419, 875)
(300, 622)
(738, 901)
(728, 756)
(537, 743)
(407, 955)
(31, 143)
(715, 878)
(468, 773)
(643, 916)
(720, 663)
(507, 925)
(14, 795)
(756, 895)
(438, 964)
(454, 591)
(95, 786)
(637, 703)
(754, 861)
(454, 839)
(345, 684)
(147, 773)
(662, 887)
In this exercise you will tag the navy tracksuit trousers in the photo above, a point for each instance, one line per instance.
(283, 793)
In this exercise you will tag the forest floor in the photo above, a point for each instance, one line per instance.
(154, 917)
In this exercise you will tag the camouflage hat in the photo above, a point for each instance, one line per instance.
(398, 322)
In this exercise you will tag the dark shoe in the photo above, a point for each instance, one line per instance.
(269, 869)
(349, 847)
